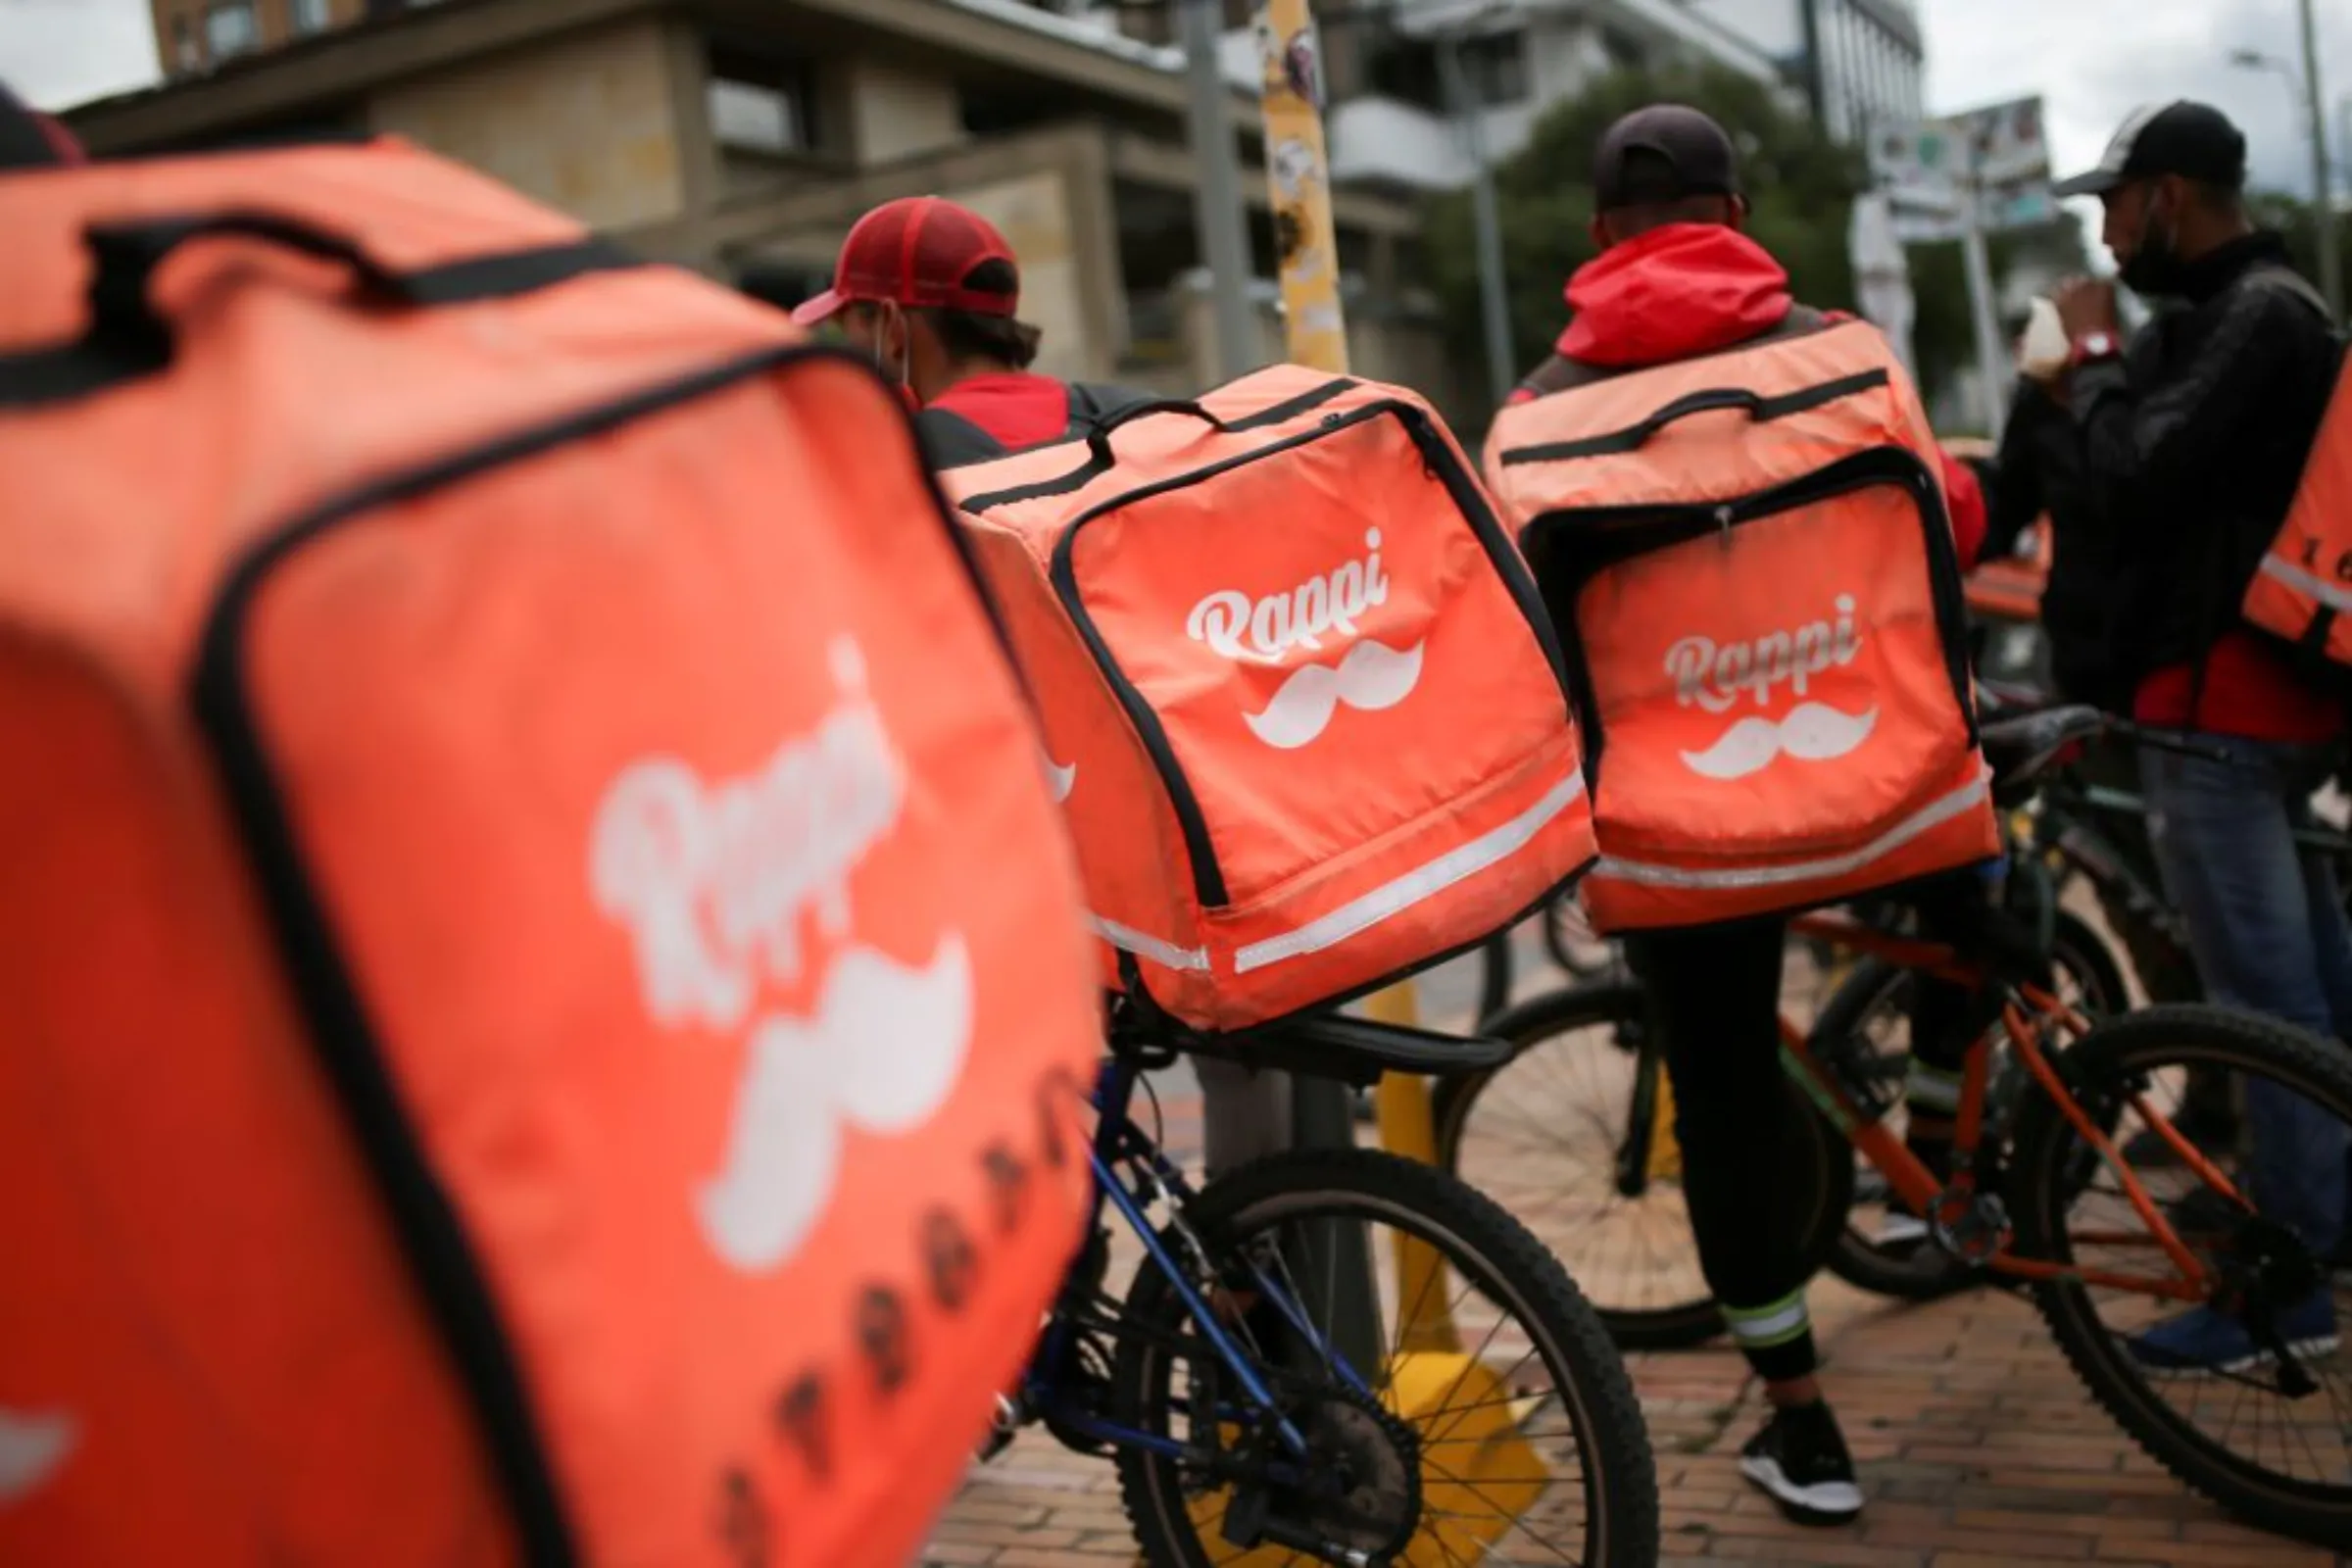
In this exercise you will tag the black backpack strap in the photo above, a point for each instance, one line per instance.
(1091, 403)
(951, 441)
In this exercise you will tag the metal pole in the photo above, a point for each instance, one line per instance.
(2323, 189)
(1217, 201)
(1817, 92)
(1991, 360)
(1493, 298)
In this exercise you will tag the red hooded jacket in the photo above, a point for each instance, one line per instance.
(1692, 288)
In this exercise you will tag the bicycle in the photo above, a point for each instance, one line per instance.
(2039, 1129)
(1238, 1421)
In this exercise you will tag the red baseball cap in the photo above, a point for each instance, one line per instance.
(918, 252)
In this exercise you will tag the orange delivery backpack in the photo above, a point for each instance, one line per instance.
(1300, 704)
(2301, 590)
(543, 985)
(1750, 559)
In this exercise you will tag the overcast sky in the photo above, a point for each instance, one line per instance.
(2093, 60)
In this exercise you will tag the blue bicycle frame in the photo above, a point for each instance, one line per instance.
(1046, 1388)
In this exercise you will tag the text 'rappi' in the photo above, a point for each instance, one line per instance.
(1716, 675)
(1262, 630)
(714, 885)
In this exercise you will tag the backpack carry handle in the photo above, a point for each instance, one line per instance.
(1097, 438)
(1713, 400)
(126, 255)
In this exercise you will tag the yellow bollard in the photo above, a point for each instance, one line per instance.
(1665, 1154)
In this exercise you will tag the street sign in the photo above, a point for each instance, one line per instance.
(1996, 158)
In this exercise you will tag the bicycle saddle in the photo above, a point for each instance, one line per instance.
(1357, 1051)
(2021, 748)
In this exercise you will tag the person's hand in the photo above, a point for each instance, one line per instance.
(2086, 304)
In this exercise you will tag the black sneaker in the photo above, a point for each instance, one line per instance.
(1799, 1460)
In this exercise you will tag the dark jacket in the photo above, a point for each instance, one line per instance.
(2193, 445)
(2038, 469)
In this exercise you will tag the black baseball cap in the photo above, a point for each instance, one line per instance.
(2195, 141)
(1689, 143)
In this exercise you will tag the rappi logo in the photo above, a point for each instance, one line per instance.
(1714, 677)
(716, 886)
(1369, 676)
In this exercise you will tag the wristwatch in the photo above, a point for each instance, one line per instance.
(2092, 346)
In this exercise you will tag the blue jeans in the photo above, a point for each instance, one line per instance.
(2267, 927)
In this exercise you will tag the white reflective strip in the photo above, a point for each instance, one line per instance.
(1770, 1326)
(2334, 596)
(1394, 897)
(1165, 954)
(1885, 844)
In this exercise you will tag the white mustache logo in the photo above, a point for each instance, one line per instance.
(1059, 779)
(32, 1448)
(885, 1049)
(1813, 732)
(1372, 677)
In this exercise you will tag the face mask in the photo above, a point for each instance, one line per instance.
(2155, 267)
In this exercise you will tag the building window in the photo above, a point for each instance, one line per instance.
(1405, 69)
(1494, 67)
(758, 105)
(229, 30)
(309, 16)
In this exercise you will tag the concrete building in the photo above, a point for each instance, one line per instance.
(734, 135)
(1389, 123)
(1871, 54)
(193, 35)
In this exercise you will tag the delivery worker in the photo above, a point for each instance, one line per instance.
(2193, 440)
(1677, 279)
(931, 291)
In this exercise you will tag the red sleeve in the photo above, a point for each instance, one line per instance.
(1966, 498)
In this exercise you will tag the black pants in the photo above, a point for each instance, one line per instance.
(1714, 997)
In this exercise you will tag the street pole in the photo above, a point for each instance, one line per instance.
(2323, 189)
(1217, 197)
(1493, 298)
(1989, 356)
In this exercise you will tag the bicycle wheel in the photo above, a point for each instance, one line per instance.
(1569, 937)
(1868, 1016)
(1544, 1134)
(2265, 1273)
(1449, 1461)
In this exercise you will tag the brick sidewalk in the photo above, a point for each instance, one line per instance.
(1977, 1448)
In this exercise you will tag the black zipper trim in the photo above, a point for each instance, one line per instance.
(1208, 876)
(1760, 410)
(1607, 536)
(118, 348)
(1098, 460)
(454, 1284)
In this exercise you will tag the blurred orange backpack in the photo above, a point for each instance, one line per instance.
(1750, 559)
(1301, 701)
(2302, 589)
(539, 1021)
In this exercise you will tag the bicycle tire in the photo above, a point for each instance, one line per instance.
(1572, 944)
(1926, 1272)
(1684, 1324)
(2041, 1188)
(1488, 1246)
